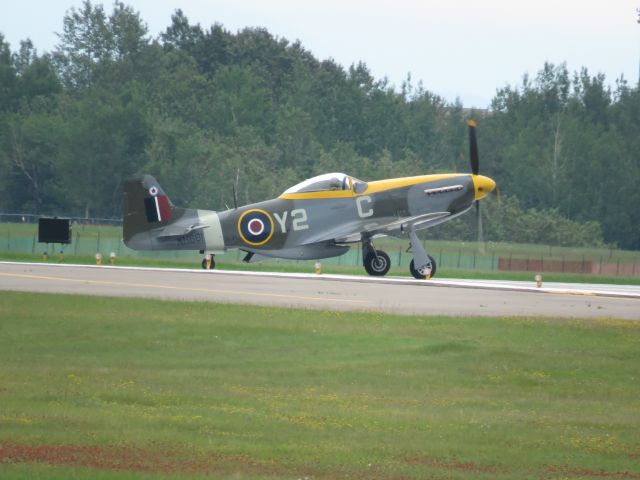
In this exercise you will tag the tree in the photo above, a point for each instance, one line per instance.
(91, 42)
(105, 140)
(241, 99)
(8, 80)
(181, 35)
(30, 148)
(85, 42)
(199, 106)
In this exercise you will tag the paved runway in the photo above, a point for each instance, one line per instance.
(334, 292)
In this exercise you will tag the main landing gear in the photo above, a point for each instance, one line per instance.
(377, 262)
(422, 266)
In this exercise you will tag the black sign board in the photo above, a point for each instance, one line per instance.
(54, 230)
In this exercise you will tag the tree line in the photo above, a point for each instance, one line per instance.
(201, 107)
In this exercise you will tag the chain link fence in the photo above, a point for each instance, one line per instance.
(18, 234)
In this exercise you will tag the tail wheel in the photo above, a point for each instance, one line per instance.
(377, 264)
(212, 266)
(428, 269)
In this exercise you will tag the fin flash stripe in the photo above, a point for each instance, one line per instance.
(157, 208)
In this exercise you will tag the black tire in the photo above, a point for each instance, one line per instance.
(379, 265)
(204, 264)
(422, 274)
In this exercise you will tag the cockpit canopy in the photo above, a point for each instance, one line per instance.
(328, 182)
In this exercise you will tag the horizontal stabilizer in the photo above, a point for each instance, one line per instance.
(177, 230)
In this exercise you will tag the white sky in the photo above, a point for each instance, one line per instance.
(465, 48)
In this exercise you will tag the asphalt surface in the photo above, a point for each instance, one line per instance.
(331, 292)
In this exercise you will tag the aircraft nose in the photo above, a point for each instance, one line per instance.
(483, 186)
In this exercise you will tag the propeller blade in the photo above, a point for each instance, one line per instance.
(473, 147)
(480, 230)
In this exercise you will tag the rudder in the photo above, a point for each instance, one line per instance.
(145, 207)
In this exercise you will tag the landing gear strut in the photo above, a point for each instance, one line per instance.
(208, 263)
(423, 265)
(376, 262)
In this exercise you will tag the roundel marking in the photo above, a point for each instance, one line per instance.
(153, 190)
(255, 227)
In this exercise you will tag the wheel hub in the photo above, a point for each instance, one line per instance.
(426, 270)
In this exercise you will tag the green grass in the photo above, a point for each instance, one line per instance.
(131, 388)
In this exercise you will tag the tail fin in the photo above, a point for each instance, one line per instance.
(146, 207)
(152, 222)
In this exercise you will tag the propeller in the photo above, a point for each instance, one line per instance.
(473, 147)
(475, 166)
(480, 231)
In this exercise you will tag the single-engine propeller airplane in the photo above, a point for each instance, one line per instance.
(318, 218)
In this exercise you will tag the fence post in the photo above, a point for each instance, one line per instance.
(33, 245)
(493, 261)
(440, 258)
(9, 240)
(75, 247)
(459, 255)
(399, 256)
(98, 244)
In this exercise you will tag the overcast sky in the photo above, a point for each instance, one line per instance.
(458, 48)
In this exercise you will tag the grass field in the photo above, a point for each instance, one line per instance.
(131, 388)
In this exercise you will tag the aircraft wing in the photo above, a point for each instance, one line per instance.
(404, 224)
(417, 222)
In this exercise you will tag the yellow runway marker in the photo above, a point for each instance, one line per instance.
(186, 289)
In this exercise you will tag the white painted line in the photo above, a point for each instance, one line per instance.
(624, 291)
